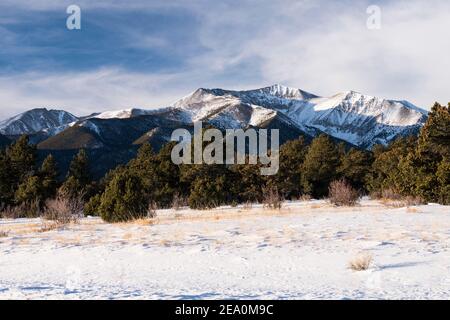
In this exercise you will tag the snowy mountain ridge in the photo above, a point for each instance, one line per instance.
(359, 119)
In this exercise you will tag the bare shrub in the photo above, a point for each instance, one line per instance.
(375, 195)
(11, 212)
(151, 211)
(178, 202)
(361, 262)
(341, 193)
(3, 234)
(391, 194)
(24, 210)
(64, 210)
(305, 197)
(247, 205)
(394, 199)
(412, 201)
(271, 198)
(49, 226)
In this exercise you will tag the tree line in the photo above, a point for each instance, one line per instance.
(411, 166)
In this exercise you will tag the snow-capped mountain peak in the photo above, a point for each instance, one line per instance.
(360, 119)
(36, 120)
(281, 91)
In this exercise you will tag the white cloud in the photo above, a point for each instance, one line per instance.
(85, 92)
(320, 46)
(325, 47)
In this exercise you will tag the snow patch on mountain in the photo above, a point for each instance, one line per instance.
(261, 115)
(122, 114)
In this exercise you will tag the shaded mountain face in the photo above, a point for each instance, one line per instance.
(4, 141)
(115, 133)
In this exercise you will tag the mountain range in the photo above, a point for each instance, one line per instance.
(358, 119)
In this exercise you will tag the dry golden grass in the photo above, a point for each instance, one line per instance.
(304, 197)
(165, 243)
(23, 241)
(412, 210)
(393, 199)
(247, 206)
(127, 236)
(3, 234)
(75, 240)
(289, 232)
(49, 226)
(361, 262)
(139, 222)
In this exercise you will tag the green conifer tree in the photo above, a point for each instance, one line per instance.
(48, 175)
(22, 159)
(354, 167)
(7, 181)
(288, 179)
(124, 198)
(78, 179)
(319, 167)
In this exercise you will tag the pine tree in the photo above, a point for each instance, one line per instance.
(288, 179)
(209, 185)
(78, 179)
(354, 167)
(48, 174)
(385, 172)
(7, 181)
(124, 198)
(28, 191)
(247, 183)
(434, 138)
(167, 180)
(79, 168)
(17, 164)
(319, 167)
(145, 167)
(22, 159)
(443, 178)
(209, 191)
(92, 207)
(432, 154)
(144, 160)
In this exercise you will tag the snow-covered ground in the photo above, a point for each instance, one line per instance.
(300, 252)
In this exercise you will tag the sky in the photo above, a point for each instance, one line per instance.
(148, 54)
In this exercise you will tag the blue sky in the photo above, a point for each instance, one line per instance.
(150, 53)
